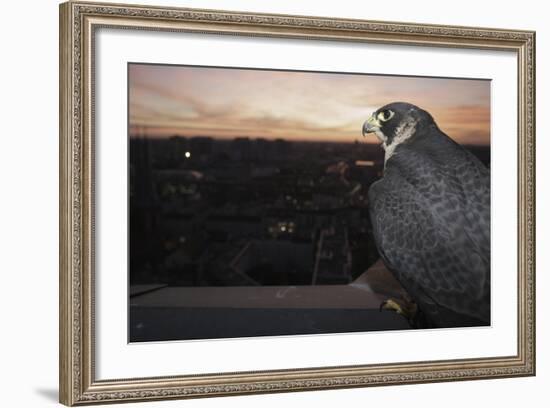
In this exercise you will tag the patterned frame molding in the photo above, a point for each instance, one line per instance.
(78, 22)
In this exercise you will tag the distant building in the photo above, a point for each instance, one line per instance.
(144, 214)
(241, 149)
(282, 148)
(275, 262)
(333, 260)
(178, 147)
(200, 146)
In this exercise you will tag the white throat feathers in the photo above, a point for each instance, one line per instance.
(402, 133)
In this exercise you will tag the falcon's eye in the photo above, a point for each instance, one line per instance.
(385, 115)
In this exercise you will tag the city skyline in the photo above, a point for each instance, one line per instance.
(225, 103)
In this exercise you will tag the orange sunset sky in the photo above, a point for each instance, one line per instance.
(225, 103)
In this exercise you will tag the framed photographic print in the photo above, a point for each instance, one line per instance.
(260, 203)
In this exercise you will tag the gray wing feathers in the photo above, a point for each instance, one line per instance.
(431, 224)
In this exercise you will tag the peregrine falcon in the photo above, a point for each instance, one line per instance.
(430, 214)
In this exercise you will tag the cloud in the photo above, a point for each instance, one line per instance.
(261, 103)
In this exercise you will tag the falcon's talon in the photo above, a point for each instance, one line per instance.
(403, 307)
(391, 304)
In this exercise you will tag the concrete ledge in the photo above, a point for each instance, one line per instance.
(185, 313)
(265, 297)
(164, 323)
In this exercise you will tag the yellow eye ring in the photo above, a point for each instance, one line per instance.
(385, 115)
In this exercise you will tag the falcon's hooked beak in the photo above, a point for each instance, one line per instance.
(371, 125)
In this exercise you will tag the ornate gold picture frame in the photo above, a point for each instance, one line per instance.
(79, 23)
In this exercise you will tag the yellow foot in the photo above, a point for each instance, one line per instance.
(405, 308)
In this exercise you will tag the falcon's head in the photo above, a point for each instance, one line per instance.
(396, 123)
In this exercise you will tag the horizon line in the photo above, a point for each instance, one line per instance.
(360, 139)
